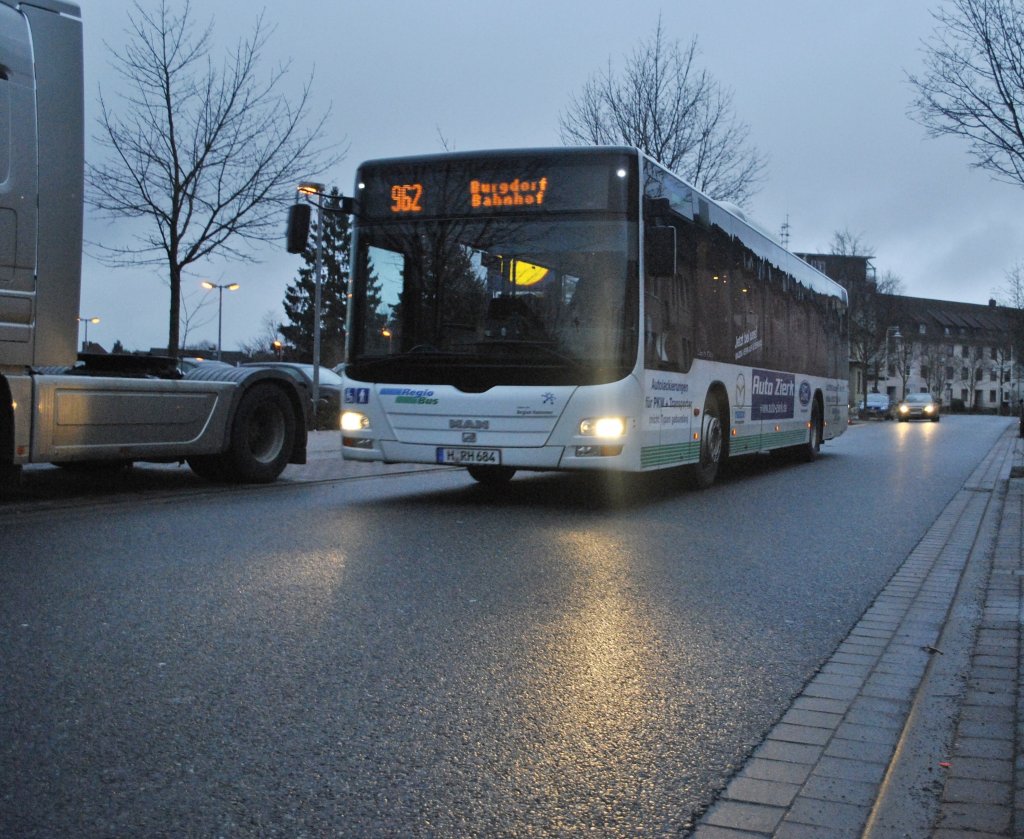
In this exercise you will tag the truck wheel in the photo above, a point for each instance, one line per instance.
(210, 466)
(262, 435)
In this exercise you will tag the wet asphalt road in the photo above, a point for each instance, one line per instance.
(416, 655)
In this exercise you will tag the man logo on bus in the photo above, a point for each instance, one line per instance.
(805, 393)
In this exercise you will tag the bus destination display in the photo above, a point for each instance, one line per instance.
(472, 188)
(517, 193)
(487, 195)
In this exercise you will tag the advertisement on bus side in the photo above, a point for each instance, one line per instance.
(772, 395)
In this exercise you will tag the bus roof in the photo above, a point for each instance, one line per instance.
(727, 216)
(497, 154)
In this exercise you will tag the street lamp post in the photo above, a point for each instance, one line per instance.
(220, 304)
(317, 189)
(87, 321)
(895, 332)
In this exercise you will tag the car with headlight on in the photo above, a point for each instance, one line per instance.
(918, 406)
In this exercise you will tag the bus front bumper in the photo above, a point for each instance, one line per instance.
(533, 457)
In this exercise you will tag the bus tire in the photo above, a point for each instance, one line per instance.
(712, 445)
(491, 475)
(262, 436)
(808, 452)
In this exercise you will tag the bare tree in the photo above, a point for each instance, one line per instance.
(973, 86)
(192, 315)
(847, 243)
(1011, 297)
(207, 155)
(666, 106)
(266, 344)
(1012, 294)
(933, 359)
(900, 361)
(874, 309)
(970, 375)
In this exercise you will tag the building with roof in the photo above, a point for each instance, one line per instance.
(964, 354)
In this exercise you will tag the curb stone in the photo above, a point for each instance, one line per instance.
(918, 734)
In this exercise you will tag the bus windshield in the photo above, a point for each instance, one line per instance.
(479, 302)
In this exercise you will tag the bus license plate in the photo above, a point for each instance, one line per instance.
(469, 457)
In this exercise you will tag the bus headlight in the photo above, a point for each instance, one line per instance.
(608, 428)
(354, 421)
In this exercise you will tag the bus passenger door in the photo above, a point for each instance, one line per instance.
(668, 343)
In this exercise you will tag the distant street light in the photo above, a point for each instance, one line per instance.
(220, 304)
(278, 348)
(87, 321)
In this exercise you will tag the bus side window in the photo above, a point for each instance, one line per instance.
(747, 300)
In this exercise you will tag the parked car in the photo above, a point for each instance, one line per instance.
(918, 406)
(328, 412)
(877, 406)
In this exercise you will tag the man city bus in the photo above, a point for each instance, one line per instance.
(575, 309)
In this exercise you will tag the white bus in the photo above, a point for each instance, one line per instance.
(578, 308)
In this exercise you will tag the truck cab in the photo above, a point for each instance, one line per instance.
(56, 406)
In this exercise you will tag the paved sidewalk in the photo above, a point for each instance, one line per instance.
(914, 726)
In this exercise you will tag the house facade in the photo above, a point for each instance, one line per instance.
(964, 354)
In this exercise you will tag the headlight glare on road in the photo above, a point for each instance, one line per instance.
(354, 421)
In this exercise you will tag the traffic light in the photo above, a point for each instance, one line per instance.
(298, 227)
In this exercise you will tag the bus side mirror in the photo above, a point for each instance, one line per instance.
(298, 227)
(660, 251)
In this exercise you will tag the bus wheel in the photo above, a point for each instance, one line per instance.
(711, 442)
(808, 452)
(491, 475)
(262, 435)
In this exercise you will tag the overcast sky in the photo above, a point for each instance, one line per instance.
(822, 85)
